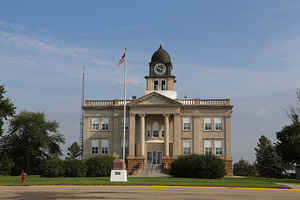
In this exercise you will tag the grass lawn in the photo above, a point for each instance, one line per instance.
(227, 182)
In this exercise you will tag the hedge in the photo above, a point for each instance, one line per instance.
(99, 166)
(53, 168)
(198, 166)
(75, 168)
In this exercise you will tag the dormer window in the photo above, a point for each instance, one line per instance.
(156, 85)
(163, 85)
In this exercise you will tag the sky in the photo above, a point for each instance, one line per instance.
(247, 51)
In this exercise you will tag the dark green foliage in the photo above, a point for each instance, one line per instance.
(268, 162)
(74, 151)
(7, 108)
(198, 166)
(75, 168)
(99, 166)
(31, 141)
(53, 168)
(243, 168)
(5, 164)
(288, 145)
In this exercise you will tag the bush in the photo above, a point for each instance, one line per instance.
(53, 168)
(75, 168)
(5, 165)
(198, 166)
(99, 166)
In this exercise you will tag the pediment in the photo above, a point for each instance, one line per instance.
(154, 98)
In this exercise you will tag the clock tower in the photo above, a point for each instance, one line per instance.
(160, 78)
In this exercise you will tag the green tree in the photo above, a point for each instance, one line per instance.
(31, 140)
(241, 168)
(268, 162)
(74, 151)
(7, 108)
(244, 168)
(288, 145)
(5, 164)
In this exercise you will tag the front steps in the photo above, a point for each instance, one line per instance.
(152, 170)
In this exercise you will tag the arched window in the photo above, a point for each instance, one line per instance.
(155, 129)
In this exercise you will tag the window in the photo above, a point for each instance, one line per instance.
(148, 131)
(163, 85)
(155, 129)
(156, 85)
(187, 146)
(207, 124)
(104, 146)
(162, 131)
(207, 147)
(95, 124)
(95, 146)
(218, 124)
(218, 146)
(187, 123)
(104, 123)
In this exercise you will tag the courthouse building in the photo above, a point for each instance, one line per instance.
(160, 126)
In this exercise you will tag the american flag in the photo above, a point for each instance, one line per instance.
(122, 60)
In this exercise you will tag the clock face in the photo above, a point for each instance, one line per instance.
(160, 69)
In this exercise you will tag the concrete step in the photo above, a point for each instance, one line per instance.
(151, 170)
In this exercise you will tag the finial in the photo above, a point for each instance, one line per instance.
(160, 46)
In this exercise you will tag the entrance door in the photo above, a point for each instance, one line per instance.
(154, 157)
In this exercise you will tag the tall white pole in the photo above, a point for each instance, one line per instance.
(124, 120)
(82, 112)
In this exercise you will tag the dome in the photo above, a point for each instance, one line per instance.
(161, 55)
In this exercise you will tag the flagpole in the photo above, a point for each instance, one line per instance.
(124, 114)
(82, 112)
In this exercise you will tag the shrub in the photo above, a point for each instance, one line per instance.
(99, 165)
(5, 165)
(75, 168)
(53, 168)
(198, 166)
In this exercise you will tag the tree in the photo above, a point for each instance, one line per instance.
(32, 140)
(241, 168)
(288, 145)
(74, 151)
(7, 108)
(244, 168)
(268, 162)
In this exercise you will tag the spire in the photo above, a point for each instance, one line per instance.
(160, 46)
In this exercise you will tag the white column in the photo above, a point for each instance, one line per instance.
(167, 135)
(227, 138)
(132, 135)
(142, 135)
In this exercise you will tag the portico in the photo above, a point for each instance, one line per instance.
(157, 132)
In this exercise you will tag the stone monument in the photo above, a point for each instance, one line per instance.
(119, 172)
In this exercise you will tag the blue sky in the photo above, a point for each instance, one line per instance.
(244, 50)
